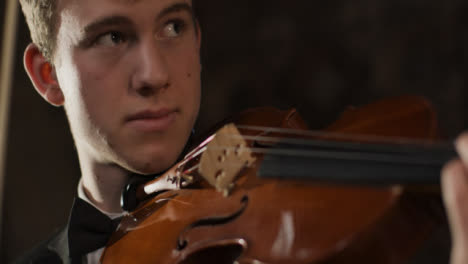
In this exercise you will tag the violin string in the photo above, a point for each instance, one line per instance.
(226, 165)
(342, 135)
(423, 154)
(333, 144)
(320, 154)
(195, 152)
(343, 155)
(332, 149)
(192, 169)
(192, 155)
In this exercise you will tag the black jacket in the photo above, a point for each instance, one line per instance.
(52, 251)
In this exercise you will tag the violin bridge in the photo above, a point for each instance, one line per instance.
(224, 158)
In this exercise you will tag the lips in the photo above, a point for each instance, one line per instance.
(152, 120)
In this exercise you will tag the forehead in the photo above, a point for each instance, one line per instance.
(89, 10)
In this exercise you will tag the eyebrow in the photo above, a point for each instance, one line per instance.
(122, 20)
(107, 21)
(177, 7)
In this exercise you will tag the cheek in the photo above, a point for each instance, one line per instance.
(100, 83)
(191, 90)
(95, 72)
(188, 68)
(93, 99)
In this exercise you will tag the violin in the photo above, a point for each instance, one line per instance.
(264, 189)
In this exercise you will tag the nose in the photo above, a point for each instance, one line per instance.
(152, 73)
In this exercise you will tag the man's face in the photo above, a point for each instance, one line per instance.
(130, 74)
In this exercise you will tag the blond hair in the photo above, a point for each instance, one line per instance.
(41, 18)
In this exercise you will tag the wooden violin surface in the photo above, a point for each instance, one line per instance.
(288, 221)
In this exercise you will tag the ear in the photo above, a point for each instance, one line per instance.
(42, 75)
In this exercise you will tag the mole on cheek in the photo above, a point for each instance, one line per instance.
(189, 75)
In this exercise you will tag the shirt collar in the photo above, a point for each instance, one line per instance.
(82, 195)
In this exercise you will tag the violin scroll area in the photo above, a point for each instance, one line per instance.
(224, 158)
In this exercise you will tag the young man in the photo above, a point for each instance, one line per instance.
(128, 75)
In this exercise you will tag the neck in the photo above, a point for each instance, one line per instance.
(103, 183)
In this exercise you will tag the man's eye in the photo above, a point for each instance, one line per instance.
(112, 38)
(172, 29)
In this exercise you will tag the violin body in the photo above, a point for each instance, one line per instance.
(288, 221)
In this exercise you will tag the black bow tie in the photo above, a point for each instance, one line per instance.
(88, 229)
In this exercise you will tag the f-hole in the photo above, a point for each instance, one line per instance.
(211, 221)
(225, 253)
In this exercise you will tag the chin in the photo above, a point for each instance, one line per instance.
(151, 154)
(151, 166)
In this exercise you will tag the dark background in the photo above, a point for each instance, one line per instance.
(317, 56)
